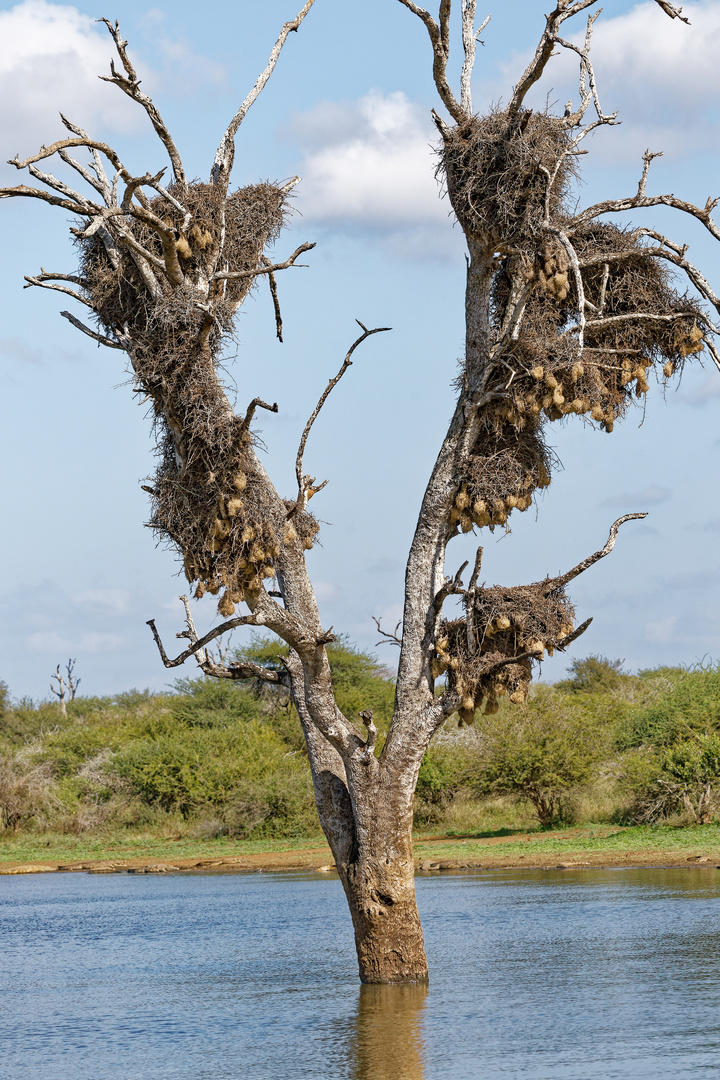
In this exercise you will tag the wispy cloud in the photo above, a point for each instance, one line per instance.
(707, 391)
(649, 496)
(50, 58)
(662, 632)
(384, 566)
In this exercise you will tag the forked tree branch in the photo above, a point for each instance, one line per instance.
(388, 638)
(304, 482)
(563, 11)
(439, 39)
(265, 268)
(223, 163)
(198, 645)
(641, 200)
(470, 38)
(131, 87)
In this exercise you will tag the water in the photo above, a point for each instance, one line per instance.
(543, 975)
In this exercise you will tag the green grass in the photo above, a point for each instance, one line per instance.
(52, 847)
(595, 840)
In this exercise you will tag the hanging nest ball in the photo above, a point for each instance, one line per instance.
(492, 166)
(508, 462)
(501, 623)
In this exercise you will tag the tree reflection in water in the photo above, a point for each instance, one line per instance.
(388, 1040)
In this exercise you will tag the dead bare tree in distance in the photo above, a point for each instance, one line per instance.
(566, 313)
(67, 685)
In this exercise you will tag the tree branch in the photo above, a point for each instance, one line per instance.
(197, 645)
(389, 638)
(470, 38)
(439, 40)
(255, 404)
(131, 87)
(560, 582)
(641, 200)
(223, 163)
(100, 338)
(544, 51)
(266, 268)
(43, 282)
(672, 11)
(302, 481)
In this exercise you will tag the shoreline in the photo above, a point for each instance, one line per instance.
(432, 855)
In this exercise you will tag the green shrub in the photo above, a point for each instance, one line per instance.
(540, 752)
(207, 702)
(441, 777)
(242, 772)
(594, 674)
(683, 779)
(690, 706)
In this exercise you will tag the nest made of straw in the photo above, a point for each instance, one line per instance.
(642, 320)
(208, 497)
(505, 467)
(492, 169)
(500, 623)
(552, 380)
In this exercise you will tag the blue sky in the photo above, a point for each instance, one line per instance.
(347, 109)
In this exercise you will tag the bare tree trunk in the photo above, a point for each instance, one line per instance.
(380, 889)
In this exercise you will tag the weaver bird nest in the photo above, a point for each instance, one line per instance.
(492, 166)
(207, 493)
(590, 333)
(500, 623)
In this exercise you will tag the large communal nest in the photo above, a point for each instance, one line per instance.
(244, 224)
(493, 169)
(207, 495)
(499, 624)
(638, 320)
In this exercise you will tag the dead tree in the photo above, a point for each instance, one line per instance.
(566, 314)
(67, 685)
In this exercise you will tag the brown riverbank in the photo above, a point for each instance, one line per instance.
(562, 849)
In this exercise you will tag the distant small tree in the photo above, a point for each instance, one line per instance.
(566, 314)
(594, 674)
(67, 685)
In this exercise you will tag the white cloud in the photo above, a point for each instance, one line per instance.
(370, 164)
(50, 59)
(116, 601)
(48, 642)
(707, 391)
(649, 496)
(324, 591)
(662, 76)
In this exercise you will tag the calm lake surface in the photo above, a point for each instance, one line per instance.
(534, 974)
